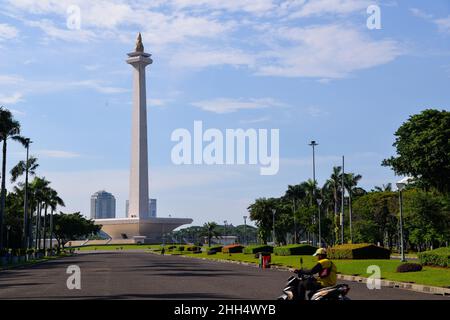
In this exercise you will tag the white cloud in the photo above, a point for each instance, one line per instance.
(57, 154)
(158, 102)
(98, 86)
(54, 32)
(249, 6)
(443, 24)
(12, 99)
(7, 32)
(326, 7)
(10, 79)
(420, 13)
(226, 105)
(203, 57)
(315, 112)
(326, 51)
(256, 120)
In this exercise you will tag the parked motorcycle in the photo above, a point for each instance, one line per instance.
(291, 290)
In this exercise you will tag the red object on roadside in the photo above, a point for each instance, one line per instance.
(266, 262)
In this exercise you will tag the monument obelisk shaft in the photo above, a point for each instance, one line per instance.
(138, 202)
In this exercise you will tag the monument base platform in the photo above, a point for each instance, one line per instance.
(133, 230)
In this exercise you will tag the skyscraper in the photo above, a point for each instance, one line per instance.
(103, 205)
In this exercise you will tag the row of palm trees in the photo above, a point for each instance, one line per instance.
(300, 204)
(39, 199)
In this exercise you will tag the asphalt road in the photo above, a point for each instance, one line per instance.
(134, 275)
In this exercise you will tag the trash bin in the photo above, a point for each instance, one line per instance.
(264, 260)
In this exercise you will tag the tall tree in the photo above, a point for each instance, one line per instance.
(9, 129)
(334, 184)
(351, 181)
(423, 149)
(210, 231)
(72, 226)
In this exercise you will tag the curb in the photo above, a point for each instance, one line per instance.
(384, 283)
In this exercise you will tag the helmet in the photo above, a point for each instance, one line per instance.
(320, 251)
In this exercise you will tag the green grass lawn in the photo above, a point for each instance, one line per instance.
(429, 275)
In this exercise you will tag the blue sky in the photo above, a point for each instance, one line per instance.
(310, 68)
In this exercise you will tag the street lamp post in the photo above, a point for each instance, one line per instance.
(313, 144)
(25, 202)
(273, 225)
(319, 203)
(401, 186)
(225, 231)
(342, 200)
(295, 221)
(245, 230)
(8, 228)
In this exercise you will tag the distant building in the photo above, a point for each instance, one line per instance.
(103, 205)
(151, 208)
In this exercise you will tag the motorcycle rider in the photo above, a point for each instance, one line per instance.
(326, 270)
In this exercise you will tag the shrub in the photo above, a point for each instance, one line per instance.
(233, 248)
(211, 252)
(193, 248)
(437, 257)
(409, 267)
(180, 248)
(294, 250)
(215, 249)
(258, 248)
(358, 251)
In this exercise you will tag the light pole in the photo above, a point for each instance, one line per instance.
(401, 186)
(25, 202)
(273, 225)
(8, 228)
(342, 200)
(245, 230)
(295, 221)
(225, 231)
(319, 203)
(313, 144)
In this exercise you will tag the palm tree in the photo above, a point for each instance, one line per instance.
(383, 188)
(38, 189)
(350, 182)
(9, 129)
(210, 231)
(27, 167)
(20, 168)
(55, 201)
(334, 184)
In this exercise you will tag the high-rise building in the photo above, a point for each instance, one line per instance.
(151, 208)
(103, 205)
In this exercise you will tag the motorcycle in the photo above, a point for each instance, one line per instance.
(291, 290)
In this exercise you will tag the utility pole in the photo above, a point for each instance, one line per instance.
(313, 144)
(25, 202)
(342, 200)
(273, 225)
(245, 230)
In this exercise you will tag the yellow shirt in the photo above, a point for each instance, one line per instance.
(328, 276)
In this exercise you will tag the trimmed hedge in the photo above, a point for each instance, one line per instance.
(409, 267)
(295, 250)
(193, 248)
(437, 257)
(232, 248)
(358, 251)
(215, 249)
(257, 249)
